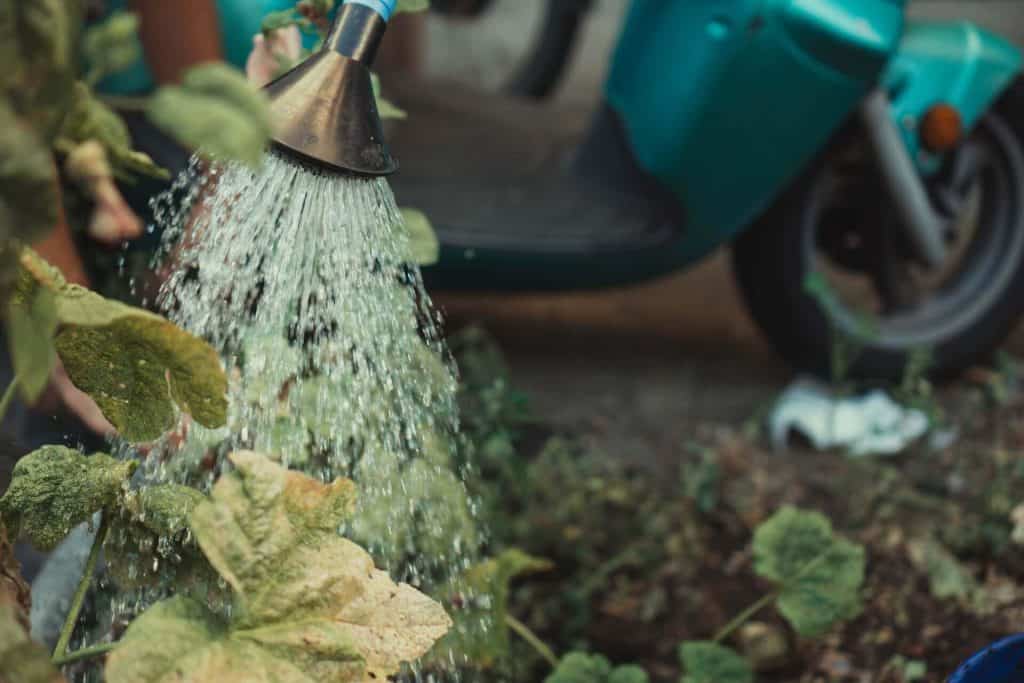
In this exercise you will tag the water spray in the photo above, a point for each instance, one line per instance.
(325, 108)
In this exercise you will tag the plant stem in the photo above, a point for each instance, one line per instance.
(61, 651)
(530, 637)
(5, 402)
(84, 653)
(742, 617)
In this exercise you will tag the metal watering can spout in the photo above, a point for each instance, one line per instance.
(325, 109)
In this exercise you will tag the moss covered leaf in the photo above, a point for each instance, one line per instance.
(134, 364)
(579, 667)
(308, 604)
(706, 662)
(423, 243)
(215, 110)
(149, 543)
(481, 633)
(819, 574)
(55, 489)
(31, 326)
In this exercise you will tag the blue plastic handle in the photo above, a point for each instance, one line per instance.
(1002, 662)
(385, 8)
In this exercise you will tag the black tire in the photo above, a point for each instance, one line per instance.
(772, 268)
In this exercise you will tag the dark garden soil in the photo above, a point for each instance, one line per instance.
(648, 496)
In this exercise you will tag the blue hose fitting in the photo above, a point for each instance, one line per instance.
(385, 8)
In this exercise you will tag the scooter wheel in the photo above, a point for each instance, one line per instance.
(829, 280)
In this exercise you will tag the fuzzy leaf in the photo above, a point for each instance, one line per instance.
(280, 19)
(481, 633)
(111, 45)
(707, 662)
(90, 119)
(215, 110)
(28, 181)
(36, 49)
(412, 5)
(819, 573)
(31, 325)
(579, 667)
(55, 489)
(135, 364)
(423, 243)
(308, 604)
(164, 509)
(137, 552)
(386, 109)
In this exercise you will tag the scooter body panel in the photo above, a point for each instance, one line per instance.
(725, 101)
(955, 63)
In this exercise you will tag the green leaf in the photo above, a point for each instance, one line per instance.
(21, 660)
(28, 181)
(90, 119)
(385, 108)
(55, 489)
(308, 604)
(948, 579)
(31, 325)
(412, 5)
(819, 574)
(149, 543)
(280, 19)
(579, 667)
(216, 111)
(707, 662)
(36, 48)
(111, 45)
(134, 364)
(481, 633)
(423, 243)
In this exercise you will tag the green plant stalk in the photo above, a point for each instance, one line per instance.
(524, 632)
(5, 402)
(84, 653)
(768, 599)
(61, 651)
(746, 614)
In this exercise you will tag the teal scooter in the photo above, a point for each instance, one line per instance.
(829, 141)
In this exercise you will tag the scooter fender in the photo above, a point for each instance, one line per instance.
(954, 63)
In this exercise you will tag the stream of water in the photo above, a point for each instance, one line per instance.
(337, 366)
(302, 279)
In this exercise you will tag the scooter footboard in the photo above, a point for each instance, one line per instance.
(953, 63)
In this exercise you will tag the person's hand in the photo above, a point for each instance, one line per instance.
(63, 392)
(270, 56)
(113, 222)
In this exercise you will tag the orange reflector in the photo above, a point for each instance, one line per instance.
(941, 128)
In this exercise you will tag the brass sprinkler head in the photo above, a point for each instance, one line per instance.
(325, 110)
